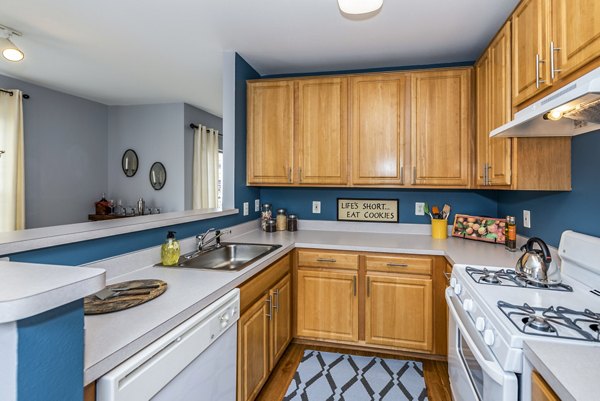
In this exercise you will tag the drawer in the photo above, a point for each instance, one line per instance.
(400, 264)
(337, 260)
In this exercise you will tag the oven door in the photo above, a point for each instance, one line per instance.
(475, 374)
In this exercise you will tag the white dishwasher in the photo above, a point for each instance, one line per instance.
(194, 361)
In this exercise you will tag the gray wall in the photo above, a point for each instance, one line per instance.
(65, 154)
(194, 115)
(155, 133)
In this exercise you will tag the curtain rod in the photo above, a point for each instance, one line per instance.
(195, 126)
(25, 95)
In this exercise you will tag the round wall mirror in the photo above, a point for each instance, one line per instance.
(158, 176)
(129, 162)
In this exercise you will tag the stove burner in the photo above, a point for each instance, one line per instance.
(490, 277)
(509, 278)
(538, 323)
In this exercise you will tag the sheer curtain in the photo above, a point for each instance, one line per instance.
(205, 173)
(12, 163)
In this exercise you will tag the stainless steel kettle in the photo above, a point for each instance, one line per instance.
(536, 265)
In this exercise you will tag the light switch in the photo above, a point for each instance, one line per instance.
(257, 205)
(246, 208)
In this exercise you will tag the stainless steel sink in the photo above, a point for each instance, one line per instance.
(228, 256)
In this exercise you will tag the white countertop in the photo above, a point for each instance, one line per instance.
(29, 289)
(112, 338)
(571, 370)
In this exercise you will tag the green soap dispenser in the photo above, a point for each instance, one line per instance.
(169, 252)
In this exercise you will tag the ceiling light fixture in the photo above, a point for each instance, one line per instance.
(359, 6)
(10, 51)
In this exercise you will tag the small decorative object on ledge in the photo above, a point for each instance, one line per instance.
(368, 210)
(103, 206)
(488, 229)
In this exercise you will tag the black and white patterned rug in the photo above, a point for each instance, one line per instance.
(326, 376)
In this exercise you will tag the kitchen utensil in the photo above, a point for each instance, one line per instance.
(535, 265)
(436, 211)
(135, 295)
(446, 211)
(426, 210)
(113, 292)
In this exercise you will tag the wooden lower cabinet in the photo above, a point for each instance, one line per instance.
(327, 305)
(399, 312)
(253, 349)
(264, 328)
(540, 390)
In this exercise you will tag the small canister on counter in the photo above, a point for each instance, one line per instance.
(511, 234)
(265, 214)
(292, 222)
(270, 225)
(281, 220)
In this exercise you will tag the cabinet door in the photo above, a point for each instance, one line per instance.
(500, 108)
(270, 143)
(327, 305)
(281, 326)
(253, 349)
(576, 32)
(482, 109)
(399, 312)
(440, 127)
(530, 27)
(540, 390)
(378, 128)
(322, 132)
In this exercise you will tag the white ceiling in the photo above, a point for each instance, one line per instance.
(153, 51)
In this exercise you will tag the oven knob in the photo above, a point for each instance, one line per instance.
(457, 289)
(488, 337)
(480, 323)
(468, 305)
(452, 282)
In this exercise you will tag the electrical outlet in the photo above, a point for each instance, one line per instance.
(246, 207)
(257, 205)
(316, 207)
(526, 219)
(419, 209)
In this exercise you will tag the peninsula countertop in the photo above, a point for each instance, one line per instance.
(112, 338)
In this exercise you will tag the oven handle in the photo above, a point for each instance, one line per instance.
(491, 368)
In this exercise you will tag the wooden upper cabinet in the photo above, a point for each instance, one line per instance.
(482, 110)
(378, 109)
(576, 34)
(440, 127)
(322, 132)
(500, 108)
(530, 29)
(270, 145)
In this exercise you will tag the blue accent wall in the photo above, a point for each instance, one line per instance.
(299, 201)
(554, 212)
(57, 335)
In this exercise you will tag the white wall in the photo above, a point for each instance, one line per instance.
(156, 133)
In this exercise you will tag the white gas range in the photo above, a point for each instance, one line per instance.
(492, 312)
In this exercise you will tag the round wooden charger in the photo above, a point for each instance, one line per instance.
(92, 305)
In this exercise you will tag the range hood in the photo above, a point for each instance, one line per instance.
(571, 110)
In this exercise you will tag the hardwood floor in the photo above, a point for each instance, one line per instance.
(436, 372)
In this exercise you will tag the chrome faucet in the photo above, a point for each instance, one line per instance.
(216, 238)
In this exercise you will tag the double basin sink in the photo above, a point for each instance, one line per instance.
(226, 256)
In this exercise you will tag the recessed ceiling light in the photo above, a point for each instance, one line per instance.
(10, 51)
(359, 6)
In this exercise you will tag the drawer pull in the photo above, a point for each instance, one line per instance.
(397, 265)
(354, 285)
(447, 276)
(270, 312)
(368, 286)
(326, 260)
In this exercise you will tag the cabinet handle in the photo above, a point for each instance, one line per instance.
(484, 174)
(488, 167)
(300, 174)
(397, 265)
(401, 175)
(276, 305)
(368, 286)
(447, 275)
(553, 70)
(414, 173)
(270, 313)
(290, 174)
(354, 285)
(326, 260)
(538, 80)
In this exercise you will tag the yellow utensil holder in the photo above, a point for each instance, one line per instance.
(439, 228)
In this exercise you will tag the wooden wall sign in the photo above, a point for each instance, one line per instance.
(368, 210)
